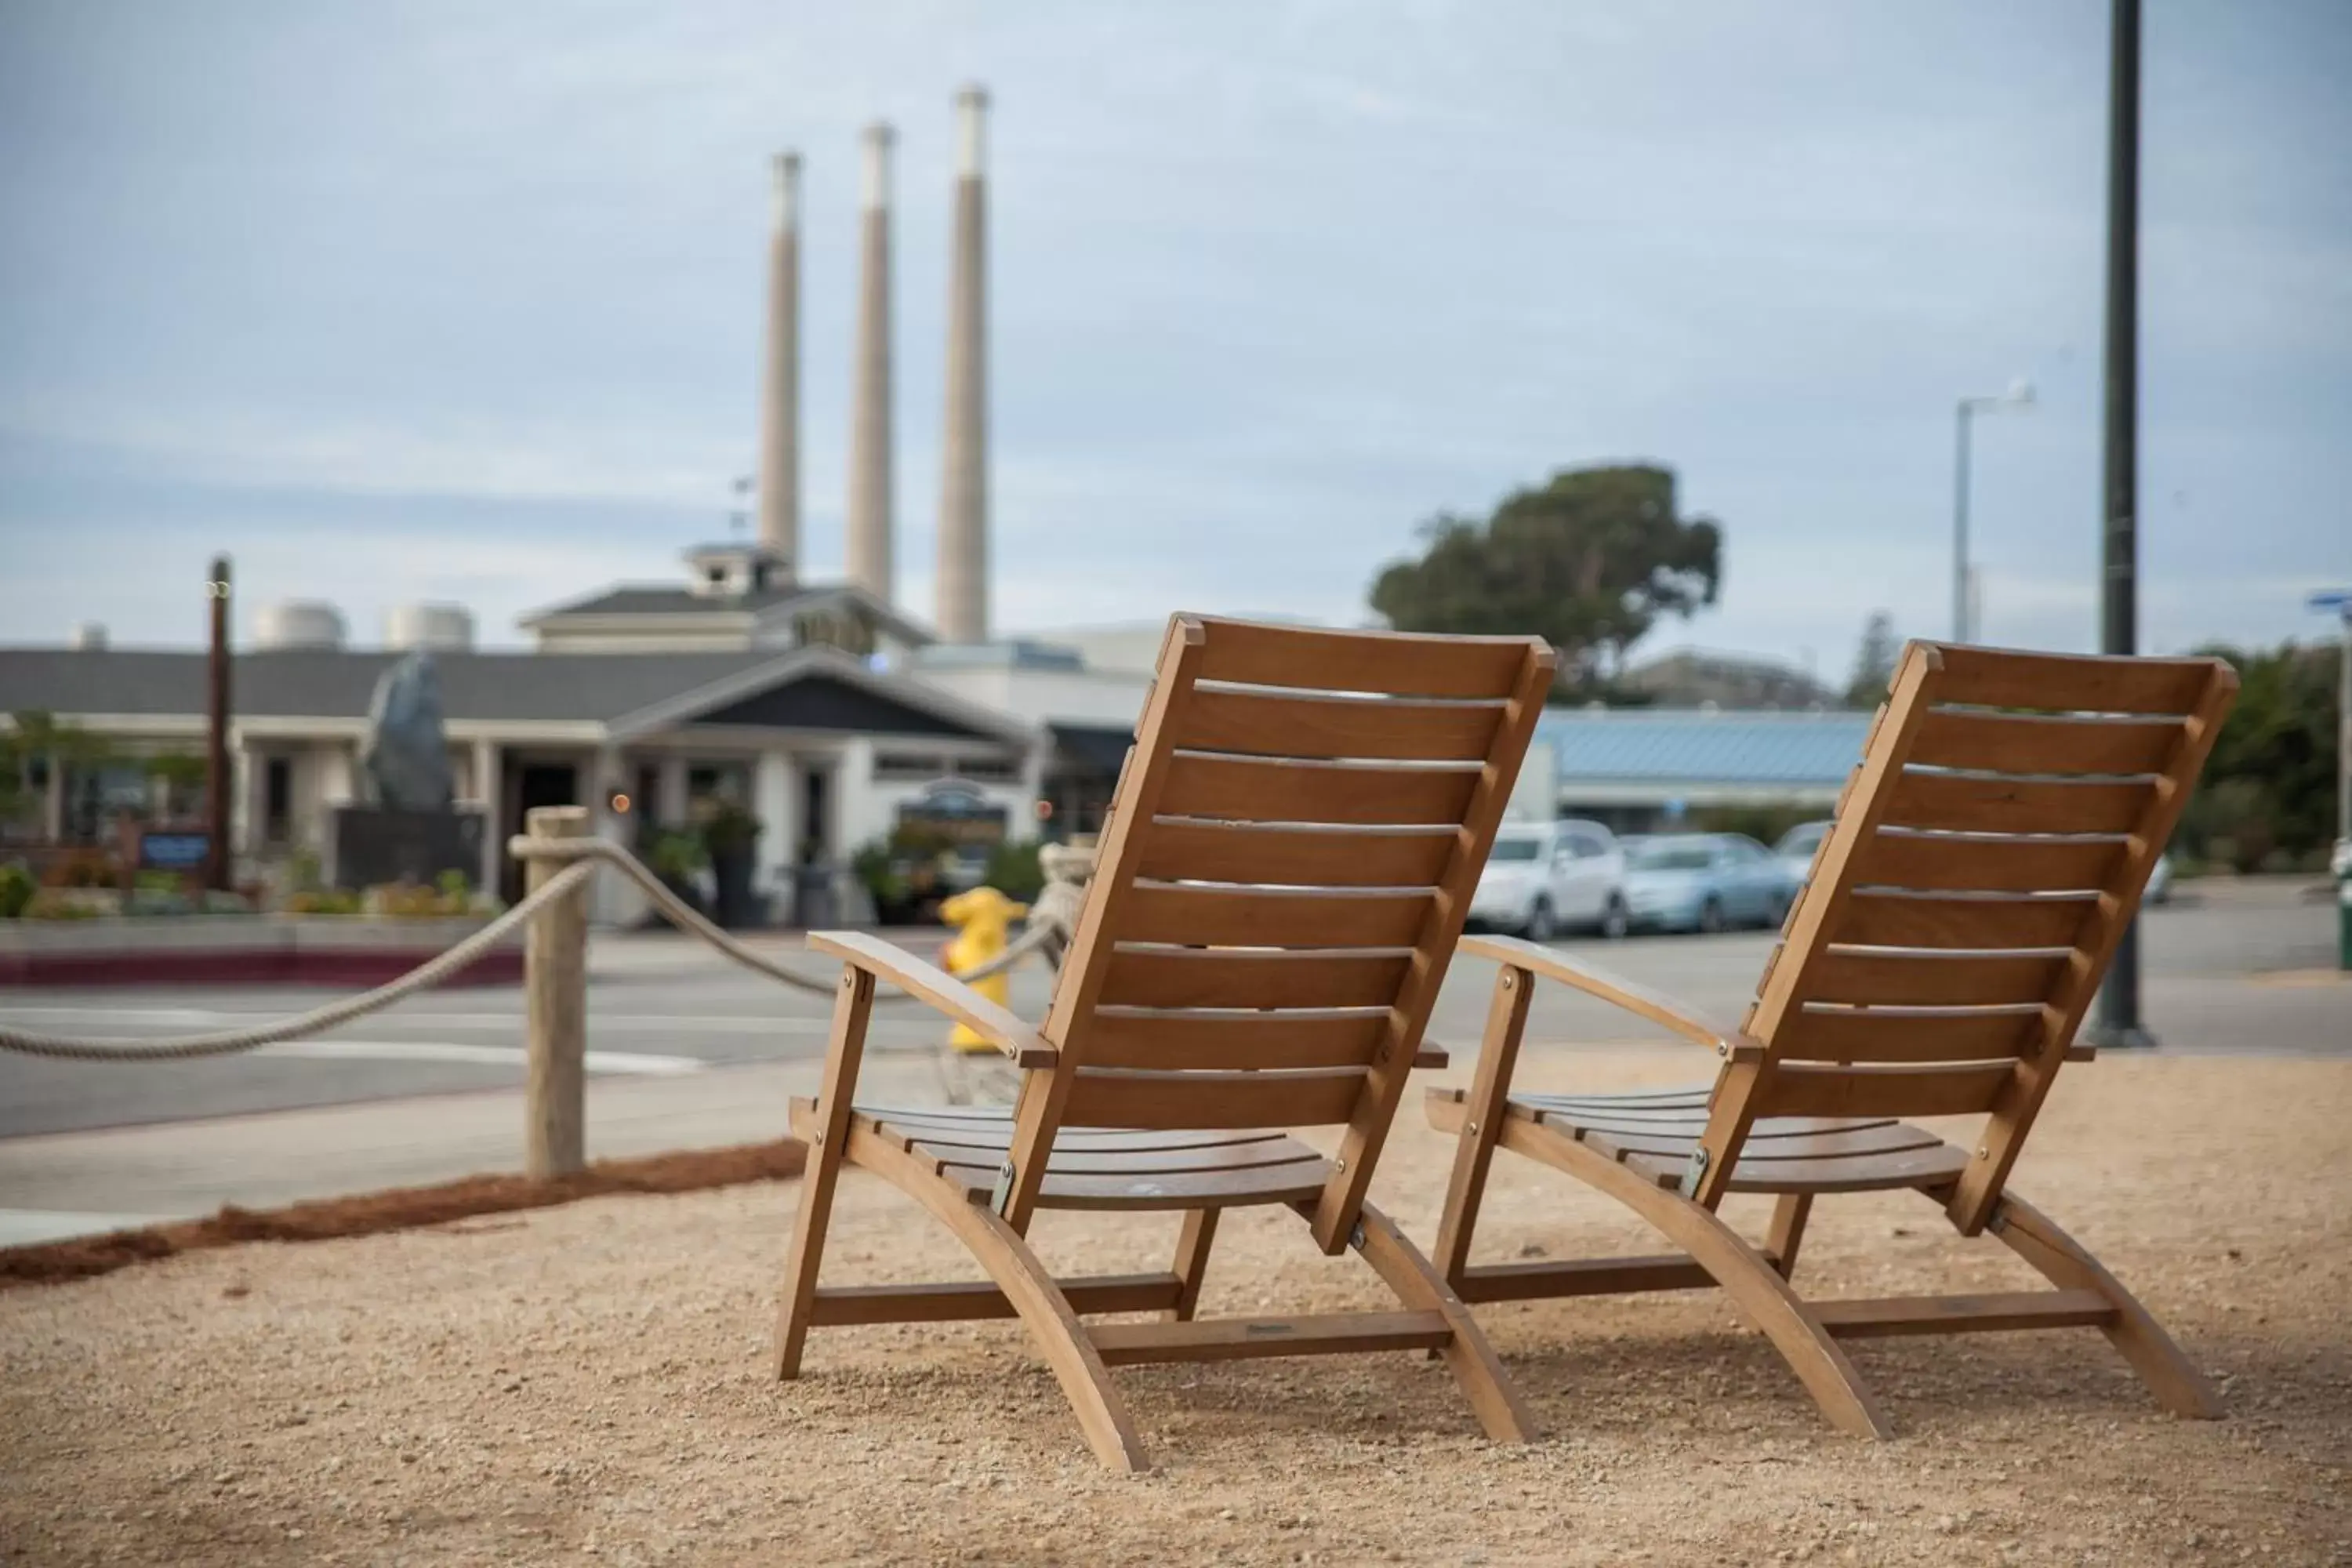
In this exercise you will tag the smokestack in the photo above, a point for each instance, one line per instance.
(780, 399)
(869, 447)
(963, 485)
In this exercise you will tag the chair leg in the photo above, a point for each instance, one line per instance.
(1790, 1212)
(1482, 1112)
(1743, 1272)
(1193, 1245)
(1493, 1398)
(807, 1252)
(2175, 1381)
(1004, 1252)
(827, 1134)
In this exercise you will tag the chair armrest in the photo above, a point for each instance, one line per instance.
(1689, 1023)
(943, 991)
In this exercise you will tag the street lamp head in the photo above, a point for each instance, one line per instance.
(2021, 392)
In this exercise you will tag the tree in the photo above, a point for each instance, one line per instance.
(1874, 662)
(1589, 562)
(2270, 783)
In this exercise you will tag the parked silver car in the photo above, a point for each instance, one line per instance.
(1797, 847)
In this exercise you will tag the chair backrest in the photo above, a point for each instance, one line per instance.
(1987, 855)
(1290, 852)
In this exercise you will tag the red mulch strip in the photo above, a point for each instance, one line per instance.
(400, 1208)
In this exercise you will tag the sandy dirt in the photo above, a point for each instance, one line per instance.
(589, 1384)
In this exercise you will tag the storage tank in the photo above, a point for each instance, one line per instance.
(439, 628)
(292, 624)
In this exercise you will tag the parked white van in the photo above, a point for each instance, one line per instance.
(1548, 877)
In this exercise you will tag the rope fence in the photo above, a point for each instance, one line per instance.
(227, 1042)
(1053, 920)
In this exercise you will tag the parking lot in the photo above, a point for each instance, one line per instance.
(2229, 966)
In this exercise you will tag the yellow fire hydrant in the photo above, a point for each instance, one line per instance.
(982, 919)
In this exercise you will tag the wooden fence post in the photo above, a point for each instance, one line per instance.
(555, 986)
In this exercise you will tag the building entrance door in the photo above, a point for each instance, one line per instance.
(535, 784)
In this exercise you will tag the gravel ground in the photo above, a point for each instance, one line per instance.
(587, 1385)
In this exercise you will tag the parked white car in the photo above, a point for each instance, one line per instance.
(1546, 877)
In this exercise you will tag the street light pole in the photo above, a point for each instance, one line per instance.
(1960, 525)
(2019, 395)
(2119, 1020)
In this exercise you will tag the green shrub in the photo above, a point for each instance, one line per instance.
(18, 886)
(675, 856)
(1012, 870)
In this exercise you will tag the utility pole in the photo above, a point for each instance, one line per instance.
(218, 780)
(2119, 1020)
(1960, 525)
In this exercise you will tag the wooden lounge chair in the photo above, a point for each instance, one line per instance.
(1987, 855)
(1279, 889)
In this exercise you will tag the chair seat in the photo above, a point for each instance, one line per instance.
(1656, 1133)
(1096, 1167)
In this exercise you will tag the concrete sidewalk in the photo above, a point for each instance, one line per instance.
(79, 1183)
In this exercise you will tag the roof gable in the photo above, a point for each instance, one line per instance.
(823, 701)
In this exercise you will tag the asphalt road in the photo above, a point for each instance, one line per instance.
(2232, 966)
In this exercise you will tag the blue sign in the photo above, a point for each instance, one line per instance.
(2339, 600)
(173, 851)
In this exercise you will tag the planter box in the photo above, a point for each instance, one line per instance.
(346, 952)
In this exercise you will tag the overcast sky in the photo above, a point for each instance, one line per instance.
(453, 300)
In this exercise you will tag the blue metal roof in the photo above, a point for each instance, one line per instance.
(1625, 745)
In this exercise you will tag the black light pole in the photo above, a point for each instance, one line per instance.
(218, 780)
(2119, 1022)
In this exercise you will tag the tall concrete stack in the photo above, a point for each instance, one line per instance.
(779, 398)
(870, 439)
(963, 487)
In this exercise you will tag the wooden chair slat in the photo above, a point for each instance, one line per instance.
(1254, 1154)
(1290, 1183)
(1659, 1099)
(1934, 1167)
(1403, 663)
(1254, 916)
(1880, 1035)
(1984, 863)
(2058, 682)
(1269, 978)
(1918, 977)
(1877, 1138)
(906, 1133)
(1270, 724)
(1985, 804)
(2043, 744)
(1292, 1038)
(1687, 1127)
(1122, 1097)
(1265, 789)
(1806, 1089)
(1908, 919)
(1313, 856)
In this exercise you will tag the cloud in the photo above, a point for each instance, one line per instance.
(477, 295)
